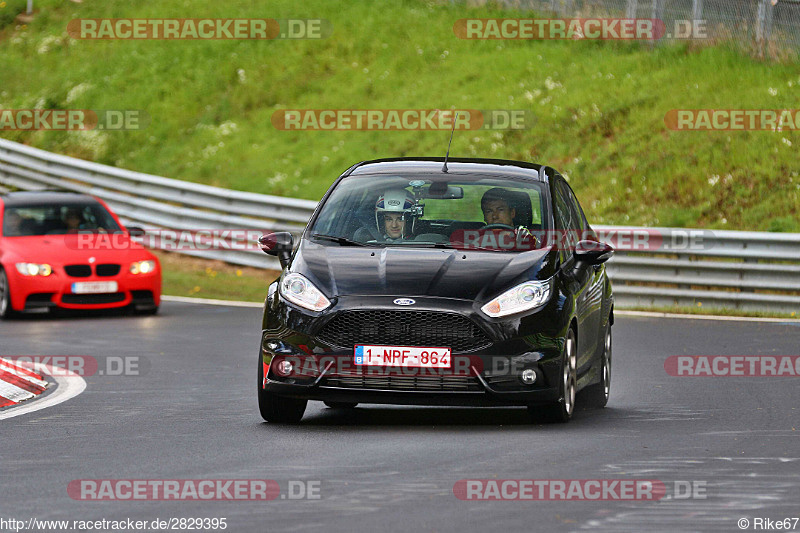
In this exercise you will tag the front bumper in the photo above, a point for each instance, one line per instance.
(33, 293)
(487, 397)
(489, 376)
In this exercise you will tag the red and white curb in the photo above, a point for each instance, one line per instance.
(18, 384)
(69, 385)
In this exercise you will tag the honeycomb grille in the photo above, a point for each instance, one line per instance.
(406, 383)
(404, 328)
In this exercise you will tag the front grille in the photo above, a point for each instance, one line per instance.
(404, 328)
(406, 383)
(107, 270)
(87, 299)
(78, 271)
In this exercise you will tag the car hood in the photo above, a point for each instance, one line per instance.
(395, 271)
(66, 250)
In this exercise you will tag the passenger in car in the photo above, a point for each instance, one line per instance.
(13, 224)
(496, 207)
(73, 220)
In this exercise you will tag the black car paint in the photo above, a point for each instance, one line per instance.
(446, 280)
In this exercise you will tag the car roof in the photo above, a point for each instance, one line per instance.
(30, 198)
(455, 165)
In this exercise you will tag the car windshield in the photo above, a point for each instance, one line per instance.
(464, 211)
(24, 221)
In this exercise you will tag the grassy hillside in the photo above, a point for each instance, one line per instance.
(600, 106)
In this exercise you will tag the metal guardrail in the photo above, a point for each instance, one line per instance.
(158, 203)
(751, 271)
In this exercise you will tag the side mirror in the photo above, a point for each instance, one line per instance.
(279, 244)
(593, 252)
(135, 231)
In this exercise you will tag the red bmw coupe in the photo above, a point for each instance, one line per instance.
(68, 250)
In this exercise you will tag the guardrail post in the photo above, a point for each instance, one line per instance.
(30, 7)
(697, 10)
(657, 13)
(658, 10)
(630, 11)
(766, 11)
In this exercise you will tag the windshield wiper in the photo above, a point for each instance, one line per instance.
(342, 241)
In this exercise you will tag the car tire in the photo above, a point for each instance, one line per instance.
(561, 411)
(597, 395)
(278, 409)
(146, 312)
(341, 405)
(6, 311)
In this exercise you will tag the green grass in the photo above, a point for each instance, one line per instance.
(600, 107)
(713, 311)
(199, 278)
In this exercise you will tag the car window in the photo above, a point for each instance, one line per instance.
(434, 209)
(54, 219)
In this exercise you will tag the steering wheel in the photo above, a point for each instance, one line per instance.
(498, 226)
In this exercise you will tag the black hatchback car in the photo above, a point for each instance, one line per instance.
(473, 283)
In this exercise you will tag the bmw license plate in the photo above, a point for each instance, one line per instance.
(402, 356)
(94, 287)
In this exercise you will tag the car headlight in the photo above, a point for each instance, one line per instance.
(34, 269)
(523, 297)
(143, 267)
(298, 290)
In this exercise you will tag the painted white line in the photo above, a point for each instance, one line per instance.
(70, 385)
(651, 314)
(208, 301)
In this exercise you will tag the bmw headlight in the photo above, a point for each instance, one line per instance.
(143, 267)
(523, 297)
(298, 290)
(34, 269)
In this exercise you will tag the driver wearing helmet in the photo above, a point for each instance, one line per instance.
(497, 209)
(391, 214)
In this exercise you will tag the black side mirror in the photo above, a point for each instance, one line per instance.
(135, 231)
(279, 244)
(593, 252)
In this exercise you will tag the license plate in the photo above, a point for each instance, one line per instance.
(94, 287)
(402, 356)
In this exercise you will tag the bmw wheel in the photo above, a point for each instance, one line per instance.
(5, 296)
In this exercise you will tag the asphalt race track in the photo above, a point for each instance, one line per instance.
(193, 415)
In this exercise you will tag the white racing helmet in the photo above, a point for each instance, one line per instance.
(392, 201)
